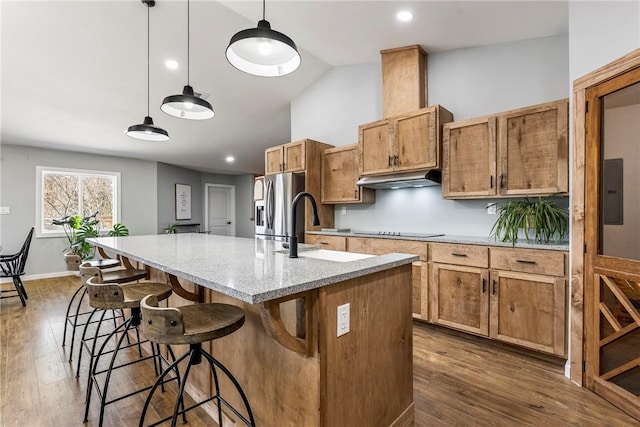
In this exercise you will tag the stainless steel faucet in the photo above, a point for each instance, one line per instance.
(293, 238)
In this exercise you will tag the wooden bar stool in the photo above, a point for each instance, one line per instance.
(73, 262)
(112, 296)
(193, 325)
(73, 318)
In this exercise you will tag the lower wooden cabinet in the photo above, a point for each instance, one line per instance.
(335, 243)
(528, 310)
(511, 305)
(459, 298)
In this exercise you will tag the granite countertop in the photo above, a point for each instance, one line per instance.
(250, 270)
(450, 238)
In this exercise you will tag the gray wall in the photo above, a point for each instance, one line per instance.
(244, 199)
(18, 183)
(469, 82)
(168, 177)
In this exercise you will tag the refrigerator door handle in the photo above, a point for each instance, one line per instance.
(269, 205)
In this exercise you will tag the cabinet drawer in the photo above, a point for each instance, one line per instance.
(471, 255)
(375, 246)
(529, 261)
(327, 242)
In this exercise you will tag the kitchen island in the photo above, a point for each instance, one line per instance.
(288, 358)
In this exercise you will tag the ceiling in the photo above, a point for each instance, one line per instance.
(73, 73)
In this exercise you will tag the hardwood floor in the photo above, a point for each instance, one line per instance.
(458, 381)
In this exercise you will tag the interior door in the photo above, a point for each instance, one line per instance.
(612, 238)
(220, 210)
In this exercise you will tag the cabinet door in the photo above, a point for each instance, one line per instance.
(273, 160)
(533, 150)
(459, 298)
(375, 148)
(339, 175)
(294, 157)
(528, 310)
(469, 159)
(416, 141)
(420, 280)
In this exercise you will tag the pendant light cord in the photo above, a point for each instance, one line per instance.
(263, 8)
(148, 50)
(188, 40)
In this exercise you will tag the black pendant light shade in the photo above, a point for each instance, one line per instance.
(262, 51)
(187, 106)
(147, 130)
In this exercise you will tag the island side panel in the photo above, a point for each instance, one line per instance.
(367, 374)
(283, 387)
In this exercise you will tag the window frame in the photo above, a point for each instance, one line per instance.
(41, 171)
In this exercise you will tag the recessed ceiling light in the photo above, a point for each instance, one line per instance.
(171, 64)
(230, 159)
(404, 16)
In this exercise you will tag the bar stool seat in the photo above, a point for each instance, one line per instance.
(193, 325)
(105, 263)
(110, 296)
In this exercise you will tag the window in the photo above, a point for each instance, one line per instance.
(62, 192)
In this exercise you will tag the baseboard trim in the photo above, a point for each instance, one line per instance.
(40, 276)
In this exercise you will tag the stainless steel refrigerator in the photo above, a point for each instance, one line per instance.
(279, 191)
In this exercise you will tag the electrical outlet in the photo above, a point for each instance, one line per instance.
(344, 210)
(491, 209)
(343, 319)
(5, 210)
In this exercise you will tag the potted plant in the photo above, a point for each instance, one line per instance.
(539, 219)
(78, 229)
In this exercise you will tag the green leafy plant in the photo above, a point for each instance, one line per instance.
(78, 229)
(117, 230)
(172, 229)
(540, 220)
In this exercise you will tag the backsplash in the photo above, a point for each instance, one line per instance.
(418, 210)
(421, 210)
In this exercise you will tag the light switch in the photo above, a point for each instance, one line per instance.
(5, 210)
(343, 319)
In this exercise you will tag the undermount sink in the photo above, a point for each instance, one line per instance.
(330, 255)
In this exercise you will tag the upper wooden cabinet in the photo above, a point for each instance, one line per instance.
(302, 157)
(516, 153)
(289, 157)
(403, 143)
(339, 177)
(404, 80)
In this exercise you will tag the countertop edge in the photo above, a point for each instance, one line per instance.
(360, 268)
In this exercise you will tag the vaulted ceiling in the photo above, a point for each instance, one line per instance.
(74, 73)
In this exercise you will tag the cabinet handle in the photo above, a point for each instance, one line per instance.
(355, 193)
(324, 243)
(460, 255)
(484, 285)
(396, 160)
(491, 182)
(280, 167)
(501, 181)
(524, 261)
(493, 291)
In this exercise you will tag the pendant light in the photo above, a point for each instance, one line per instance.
(147, 130)
(262, 51)
(187, 105)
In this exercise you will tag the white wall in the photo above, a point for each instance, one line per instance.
(18, 182)
(331, 109)
(622, 140)
(469, 82)
(168, 177)
(600, 32)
